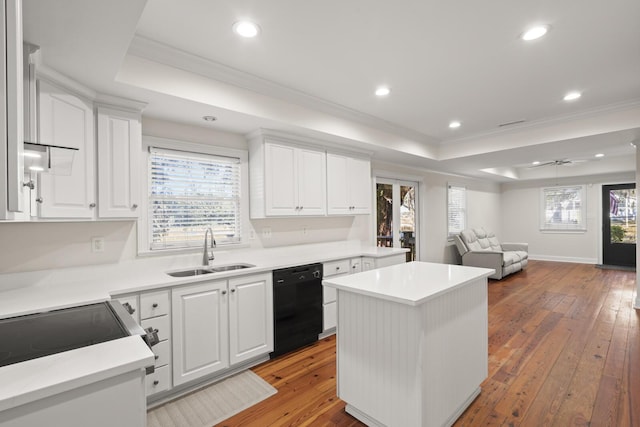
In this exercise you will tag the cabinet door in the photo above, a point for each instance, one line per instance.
(312, 189)
(338, 202)
(119, 145)
(250, 317)
(281, 185)
(66, 120)
(360, 186)
(200, 334)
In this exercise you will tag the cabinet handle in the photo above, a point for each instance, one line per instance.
(156, 382)
(156, 331)
(39, 200)
(92, 205)
(154, 305)
(134, 206)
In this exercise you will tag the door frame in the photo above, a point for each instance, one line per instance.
(387, 177)
(604, 227)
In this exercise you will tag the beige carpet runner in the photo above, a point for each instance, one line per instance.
(212, 404)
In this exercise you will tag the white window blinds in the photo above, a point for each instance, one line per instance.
(189, 192)
(456, 209)
(563, 208)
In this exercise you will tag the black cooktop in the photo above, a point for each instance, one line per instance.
(42, 334)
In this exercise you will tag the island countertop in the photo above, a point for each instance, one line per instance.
(412, 283)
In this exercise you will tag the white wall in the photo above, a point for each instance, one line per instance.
(520, 213)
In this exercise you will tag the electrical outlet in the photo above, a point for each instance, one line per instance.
(305, 230)
(97, 244)
(252, 234)
(266, 233)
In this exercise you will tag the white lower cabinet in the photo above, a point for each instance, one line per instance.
(200, 330)
(342, 268)
(151, 310)
(250, 317)
(220, 323)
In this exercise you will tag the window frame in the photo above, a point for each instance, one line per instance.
(143, 228)
(451, 185)
(548, 227)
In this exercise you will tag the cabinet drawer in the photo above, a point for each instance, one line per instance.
(335, 267)
(154, 304)
(158, 381)
(161, 351)
(132, 300)
(329, 315)
(159, 323)
(328, 294)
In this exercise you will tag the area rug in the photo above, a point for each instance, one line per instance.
(215, 403)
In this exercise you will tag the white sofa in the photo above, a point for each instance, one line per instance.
(480, 248)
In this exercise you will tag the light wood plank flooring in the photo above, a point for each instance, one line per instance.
(564, 350)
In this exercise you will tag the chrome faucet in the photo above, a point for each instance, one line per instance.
(208, 256)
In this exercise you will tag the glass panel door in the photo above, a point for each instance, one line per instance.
(396, 216)
(619, 205)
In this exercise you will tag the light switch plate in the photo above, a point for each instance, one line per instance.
(97, 244)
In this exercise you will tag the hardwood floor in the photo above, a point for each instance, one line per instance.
(564, 350)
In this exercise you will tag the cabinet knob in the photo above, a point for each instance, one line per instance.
(39, 200)
(134, 206)
(301, 207)
(156, 357)
(156, 382)
(154, 305)
(233, 290)
(92, 205)
(224, 292)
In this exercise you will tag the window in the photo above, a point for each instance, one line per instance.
(456, 209)
(562, 208)
(189, 192)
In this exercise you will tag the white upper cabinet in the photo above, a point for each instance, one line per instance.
(348, 185)
(286, 180)
(67, 120)
(119, 146)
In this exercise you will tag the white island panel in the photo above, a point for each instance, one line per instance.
(407, 363)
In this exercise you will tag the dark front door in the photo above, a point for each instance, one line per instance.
(619, 224)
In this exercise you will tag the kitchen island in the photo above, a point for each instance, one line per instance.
(412, 345)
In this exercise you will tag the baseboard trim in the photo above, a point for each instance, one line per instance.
(577, 260)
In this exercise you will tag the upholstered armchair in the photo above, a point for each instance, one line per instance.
(480, 248)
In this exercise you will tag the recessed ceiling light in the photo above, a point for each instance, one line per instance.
(600, 155)
(383, 91)
(246, 29)
(535, 163)
(455, 124)
(535, 32)
(209, 118)
(571, 96)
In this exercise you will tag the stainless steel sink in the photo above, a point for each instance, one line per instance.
(231, 267)
(190, 272)
(208, 270)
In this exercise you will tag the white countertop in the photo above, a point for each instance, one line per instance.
(33, 292)
(412, 283)
(45, 376)
(38, 291)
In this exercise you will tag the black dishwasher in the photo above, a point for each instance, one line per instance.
(297, 307)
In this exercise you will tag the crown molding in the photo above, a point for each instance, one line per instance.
(543, 123)
(168, 55)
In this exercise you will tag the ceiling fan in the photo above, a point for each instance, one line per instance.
(560, 162)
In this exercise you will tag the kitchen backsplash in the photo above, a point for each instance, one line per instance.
(45, 245)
